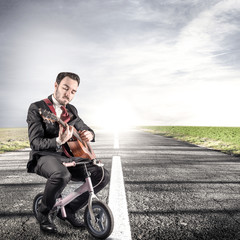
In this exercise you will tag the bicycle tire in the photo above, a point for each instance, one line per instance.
(105, 222)
(36, 203)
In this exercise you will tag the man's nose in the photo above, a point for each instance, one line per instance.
(68, 94)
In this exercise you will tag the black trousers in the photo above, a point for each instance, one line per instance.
(58, 176)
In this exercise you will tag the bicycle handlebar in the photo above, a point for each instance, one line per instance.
(73, 163)
(69, 164)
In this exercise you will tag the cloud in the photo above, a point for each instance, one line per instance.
(167, 60)
(207, 36)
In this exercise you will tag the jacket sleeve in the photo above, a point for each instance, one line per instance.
(36, 132)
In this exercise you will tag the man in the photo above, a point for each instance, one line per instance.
(46, 157)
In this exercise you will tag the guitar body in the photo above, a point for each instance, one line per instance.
(81, 149)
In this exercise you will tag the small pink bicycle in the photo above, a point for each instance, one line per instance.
(98, 217)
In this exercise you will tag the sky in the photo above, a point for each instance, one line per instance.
(141, 62)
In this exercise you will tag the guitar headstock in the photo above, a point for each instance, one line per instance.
(46, 115)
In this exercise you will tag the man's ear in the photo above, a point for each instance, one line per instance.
(55, 88)
(56, 85)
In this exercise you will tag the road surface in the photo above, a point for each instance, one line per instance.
(174, 190)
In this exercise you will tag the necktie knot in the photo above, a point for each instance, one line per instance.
(64, 116)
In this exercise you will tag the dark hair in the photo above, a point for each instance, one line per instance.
(62, 75)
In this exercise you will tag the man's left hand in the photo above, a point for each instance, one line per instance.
(86, 135)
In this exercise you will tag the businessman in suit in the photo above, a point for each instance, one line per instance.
(46, 157)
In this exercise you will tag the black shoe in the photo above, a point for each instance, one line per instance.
(71, 218)
(45, 224)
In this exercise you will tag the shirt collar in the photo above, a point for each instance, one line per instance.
(55, 102)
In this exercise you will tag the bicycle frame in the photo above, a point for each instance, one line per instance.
(87, 186)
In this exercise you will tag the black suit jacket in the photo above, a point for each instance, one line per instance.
(42, 134)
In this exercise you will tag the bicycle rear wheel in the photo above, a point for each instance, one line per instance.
(36, 204)
(101, 227)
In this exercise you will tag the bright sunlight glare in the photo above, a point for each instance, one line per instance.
(116, 115)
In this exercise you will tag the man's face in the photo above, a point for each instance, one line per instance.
(65, 91)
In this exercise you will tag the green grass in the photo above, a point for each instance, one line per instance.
(224, 139)
(12, 139)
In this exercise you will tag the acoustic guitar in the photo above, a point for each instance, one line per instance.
(77, 146)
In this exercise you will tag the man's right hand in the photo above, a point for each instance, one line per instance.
(64, 134)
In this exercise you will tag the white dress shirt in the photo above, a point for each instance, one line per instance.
(57, 106)
(58, 110)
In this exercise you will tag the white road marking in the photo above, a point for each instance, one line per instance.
(118, 203)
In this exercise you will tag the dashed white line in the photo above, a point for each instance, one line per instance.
(117, 200)
(118, 203)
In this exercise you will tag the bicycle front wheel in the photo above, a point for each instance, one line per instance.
(100, 227)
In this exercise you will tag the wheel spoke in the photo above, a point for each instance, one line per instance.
(100, 223)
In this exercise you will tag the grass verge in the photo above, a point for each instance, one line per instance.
(12, 139)
(224, 139)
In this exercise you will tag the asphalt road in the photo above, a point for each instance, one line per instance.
(174, 190)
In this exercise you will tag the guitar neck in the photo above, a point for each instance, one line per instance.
(62, 122)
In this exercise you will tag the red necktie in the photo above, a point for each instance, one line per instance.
(64, 116)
